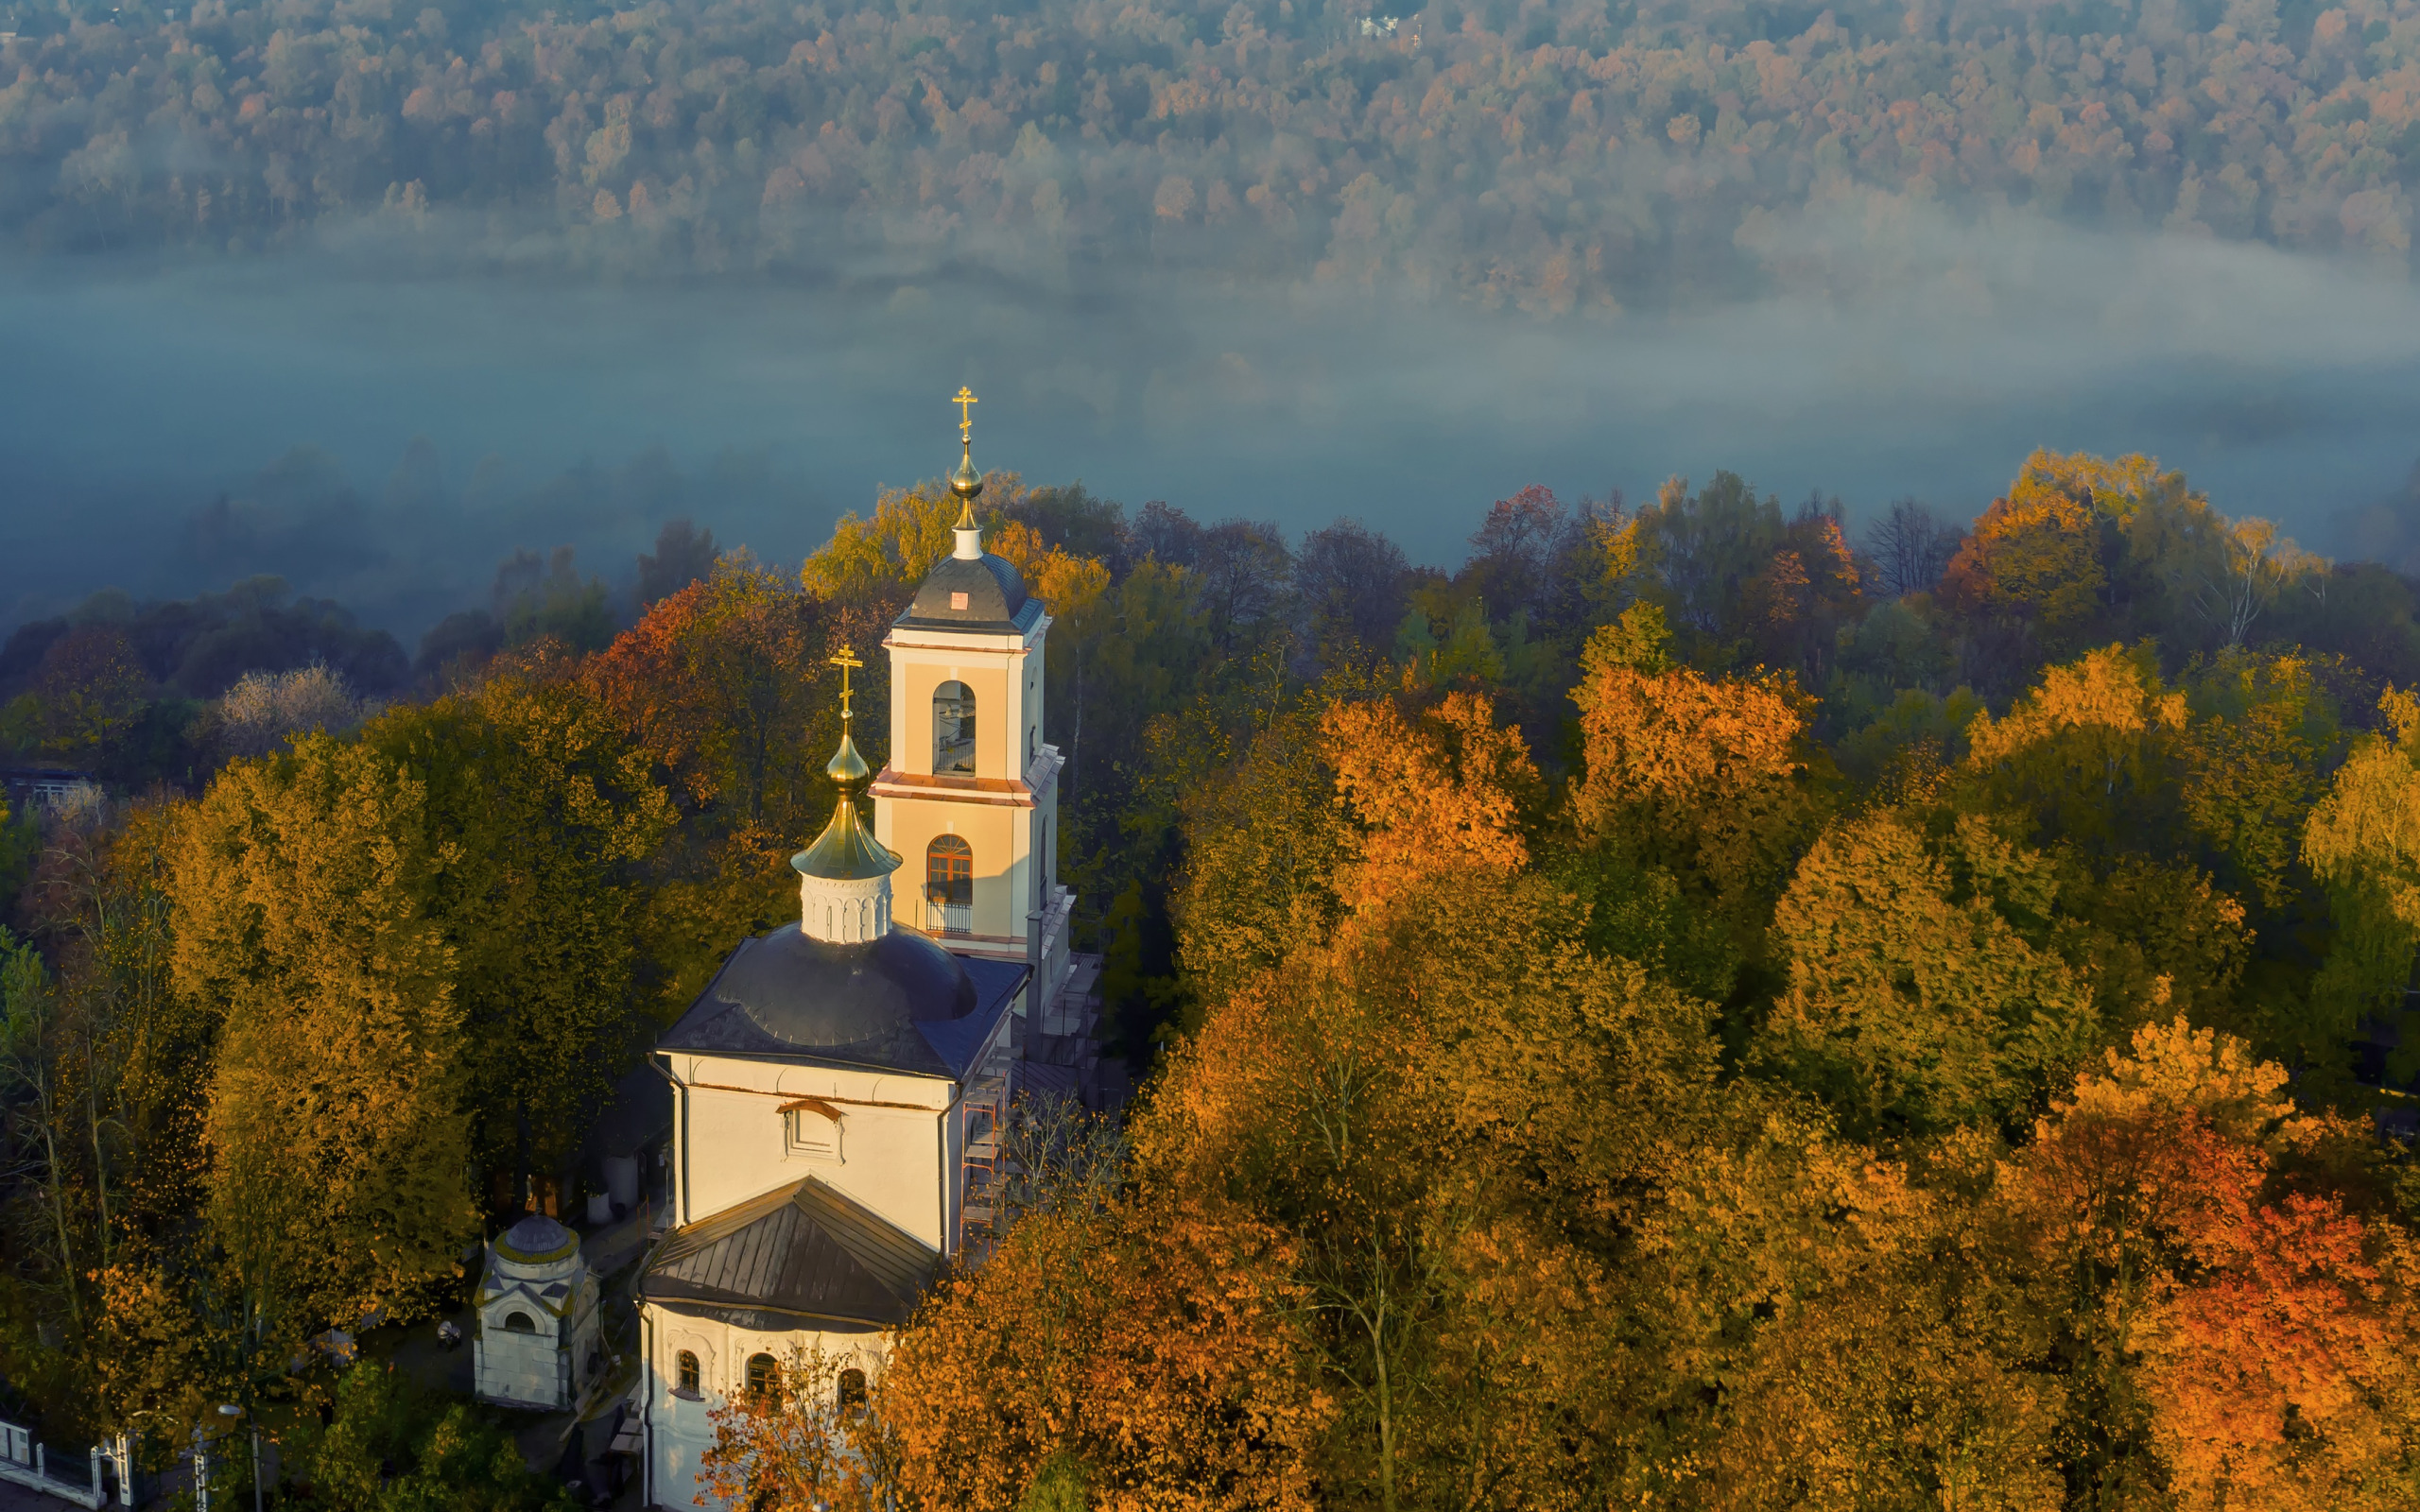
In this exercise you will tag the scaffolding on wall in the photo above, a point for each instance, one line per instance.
(984, 1112)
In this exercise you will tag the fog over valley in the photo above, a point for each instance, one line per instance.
(170, 424)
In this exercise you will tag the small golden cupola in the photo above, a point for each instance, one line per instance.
(844, 877)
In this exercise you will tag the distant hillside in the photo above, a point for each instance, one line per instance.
(1548, 156)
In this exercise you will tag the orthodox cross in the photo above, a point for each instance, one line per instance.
(847, 661)
(964, 397)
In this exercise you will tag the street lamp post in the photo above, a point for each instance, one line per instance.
(231, 1412)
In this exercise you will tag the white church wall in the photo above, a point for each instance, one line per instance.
(731, 1142)
(519, 1368)
(681, 1422)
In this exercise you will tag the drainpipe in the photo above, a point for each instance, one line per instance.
(647, 1408)
(1034, 1006)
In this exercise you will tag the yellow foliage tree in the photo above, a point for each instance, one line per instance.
(876, 560)
(1913, 1004)
(2362, 841)
(2252, 758)
(1153, 1344)
(1434, 790)
(337, 1136)
(1705, 777)
(1263, 836)
(2087, 751)
(1872, 1353)
(537, 814)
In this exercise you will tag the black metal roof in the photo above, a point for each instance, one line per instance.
(996, 602)
(898, 1001)
(803, 1249)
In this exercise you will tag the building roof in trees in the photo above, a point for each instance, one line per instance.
(803, 1249)
(981, 594)
(898, 1001)
(536, 1240)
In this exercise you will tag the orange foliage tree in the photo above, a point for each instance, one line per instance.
(2033, 567)
(2224, 1296)
(721, 683)
(1155, 1343)
(725, 685)
(1434, 789)
(1796, 607)
(1704, 776)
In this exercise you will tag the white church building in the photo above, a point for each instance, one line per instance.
(839, 1087)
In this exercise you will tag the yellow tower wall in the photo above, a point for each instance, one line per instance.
(1002, 812)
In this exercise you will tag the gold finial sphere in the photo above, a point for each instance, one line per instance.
(966, 483)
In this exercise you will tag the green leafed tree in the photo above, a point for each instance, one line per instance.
(1911, 1005)
(536, 815)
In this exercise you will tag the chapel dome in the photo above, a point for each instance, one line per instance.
(994, 591)
(813, 994)
(536, 1240)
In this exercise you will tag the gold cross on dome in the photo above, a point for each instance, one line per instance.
(847, 661)
(964, 397)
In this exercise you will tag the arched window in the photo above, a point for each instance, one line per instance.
(949, 871)
(764, 1379)
(684, 1372)
(520, 1323)
(954, 730)
(853, 1390)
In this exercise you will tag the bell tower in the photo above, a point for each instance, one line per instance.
(970, 799)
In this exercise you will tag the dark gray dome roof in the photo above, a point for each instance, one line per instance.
(995, 596)
(536, 1238)
(818, 995)
(899, 1002)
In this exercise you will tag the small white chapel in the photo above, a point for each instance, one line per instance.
(840, 1088)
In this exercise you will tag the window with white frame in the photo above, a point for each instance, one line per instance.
(811, 1130)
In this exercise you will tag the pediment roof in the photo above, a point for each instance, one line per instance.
(803, 1249)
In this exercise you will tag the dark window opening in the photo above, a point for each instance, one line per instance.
(853, 1390)
(684, 1371)
(520, 1323)
(764, 1379)
(954, 730)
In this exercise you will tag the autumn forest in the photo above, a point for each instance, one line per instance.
(1539, 156)
(1714, 996)
(1699, 1006)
